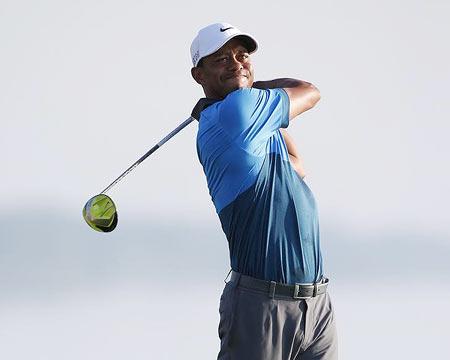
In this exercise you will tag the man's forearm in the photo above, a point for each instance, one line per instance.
(302, 94)
(280, 83)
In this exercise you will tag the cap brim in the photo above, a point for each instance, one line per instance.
(250, 44)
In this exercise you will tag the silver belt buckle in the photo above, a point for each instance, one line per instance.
(296, 291)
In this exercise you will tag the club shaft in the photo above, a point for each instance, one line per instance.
(148, 153)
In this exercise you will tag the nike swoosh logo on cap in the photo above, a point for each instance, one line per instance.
(228, 28)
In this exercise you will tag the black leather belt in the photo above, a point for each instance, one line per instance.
(272, 288)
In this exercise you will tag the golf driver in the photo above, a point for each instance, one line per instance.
(100, 212)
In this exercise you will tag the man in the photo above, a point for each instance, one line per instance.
(275, 305)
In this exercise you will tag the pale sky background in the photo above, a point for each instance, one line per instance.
(87, 87)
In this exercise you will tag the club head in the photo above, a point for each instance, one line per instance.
(100, 213)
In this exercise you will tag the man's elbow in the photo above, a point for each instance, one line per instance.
(314, 97)
(303, 98)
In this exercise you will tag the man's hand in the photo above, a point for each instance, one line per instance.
(302, 95)
(294, 155)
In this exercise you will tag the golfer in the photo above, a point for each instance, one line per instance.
(275, 305)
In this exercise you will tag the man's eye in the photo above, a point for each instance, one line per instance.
(221, 59)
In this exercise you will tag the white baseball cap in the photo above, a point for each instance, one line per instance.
(212, 37)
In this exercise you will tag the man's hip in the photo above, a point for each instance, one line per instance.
(261, 320)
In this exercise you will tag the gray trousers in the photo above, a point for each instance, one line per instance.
(254, 326)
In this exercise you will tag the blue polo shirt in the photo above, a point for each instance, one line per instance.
(267, 211)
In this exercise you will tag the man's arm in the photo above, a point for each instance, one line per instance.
(302, 95)
(294, 155)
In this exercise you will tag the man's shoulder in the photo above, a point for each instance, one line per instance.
(241, 100)
(242, 94)
(232, 104)
(246, 101)
(242, 106)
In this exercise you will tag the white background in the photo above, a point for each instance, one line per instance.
(87, 87)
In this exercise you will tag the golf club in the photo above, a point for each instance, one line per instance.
(100, 212)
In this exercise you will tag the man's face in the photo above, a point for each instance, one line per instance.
(228, 69)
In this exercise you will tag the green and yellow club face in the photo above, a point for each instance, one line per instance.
(100, 213)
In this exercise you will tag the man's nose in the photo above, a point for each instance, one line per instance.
(234, 63)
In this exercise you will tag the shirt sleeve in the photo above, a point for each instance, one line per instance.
(251, 116)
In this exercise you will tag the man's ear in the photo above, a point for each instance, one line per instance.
(197, 74)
